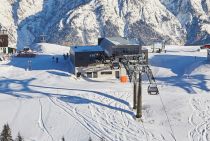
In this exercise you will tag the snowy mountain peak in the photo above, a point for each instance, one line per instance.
(82, 22)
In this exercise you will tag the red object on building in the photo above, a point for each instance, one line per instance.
(205, 46)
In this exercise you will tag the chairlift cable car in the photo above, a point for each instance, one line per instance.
(152, 88)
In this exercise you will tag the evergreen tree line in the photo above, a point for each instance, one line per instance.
(6, 135)
(102, 139)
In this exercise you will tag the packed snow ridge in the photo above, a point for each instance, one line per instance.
(79, 22)
(49, 102)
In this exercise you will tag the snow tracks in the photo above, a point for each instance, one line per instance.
(108, 118)
(200, 119)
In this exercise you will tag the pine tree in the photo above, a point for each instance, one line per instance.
(19, 138)
(6, 133)
(90, 139)
(102, 139)
(63, 139)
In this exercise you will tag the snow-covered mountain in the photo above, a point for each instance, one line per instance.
(70, 22)
(194, 15)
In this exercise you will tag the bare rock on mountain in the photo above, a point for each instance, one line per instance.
(79, 22)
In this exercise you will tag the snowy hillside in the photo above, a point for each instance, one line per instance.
(49, 102)
(83, 21)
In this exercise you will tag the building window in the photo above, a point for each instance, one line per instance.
(89, 74)
(106, 72)
(95, 74)
(136, 50)
(92, 55)
(125, 50)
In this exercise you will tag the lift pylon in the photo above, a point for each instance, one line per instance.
(136, 64)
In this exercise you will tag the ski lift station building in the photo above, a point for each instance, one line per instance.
(4, 43)
(102, 60)
(158, 46)
(119, 46)
(82, 56)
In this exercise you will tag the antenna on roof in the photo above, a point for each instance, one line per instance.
(43, 37)
(27, 40)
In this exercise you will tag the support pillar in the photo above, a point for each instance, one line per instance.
(139, 100)
(134, 92)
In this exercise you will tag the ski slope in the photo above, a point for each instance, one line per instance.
(49, 102)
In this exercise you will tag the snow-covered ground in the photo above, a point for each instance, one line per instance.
(49, 102)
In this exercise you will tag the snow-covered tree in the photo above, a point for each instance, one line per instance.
(19, 138)
(6, 134)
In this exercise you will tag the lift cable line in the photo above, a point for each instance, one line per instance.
(164, 108)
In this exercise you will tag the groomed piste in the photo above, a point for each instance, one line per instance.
(49, 102)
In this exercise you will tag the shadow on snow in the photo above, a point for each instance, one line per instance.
(182, 66)
(27, 90)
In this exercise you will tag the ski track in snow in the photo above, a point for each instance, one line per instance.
(105, 116)
(107, 125)
(17, 112)
(41, 123)
(70, 113)
(199, 119)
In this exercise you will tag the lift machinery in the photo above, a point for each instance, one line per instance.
(136, 65)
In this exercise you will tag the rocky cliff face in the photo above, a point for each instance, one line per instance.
(194, 15)
(73, 22)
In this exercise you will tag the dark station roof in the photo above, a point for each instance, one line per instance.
(86, 48)
(121, 41)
